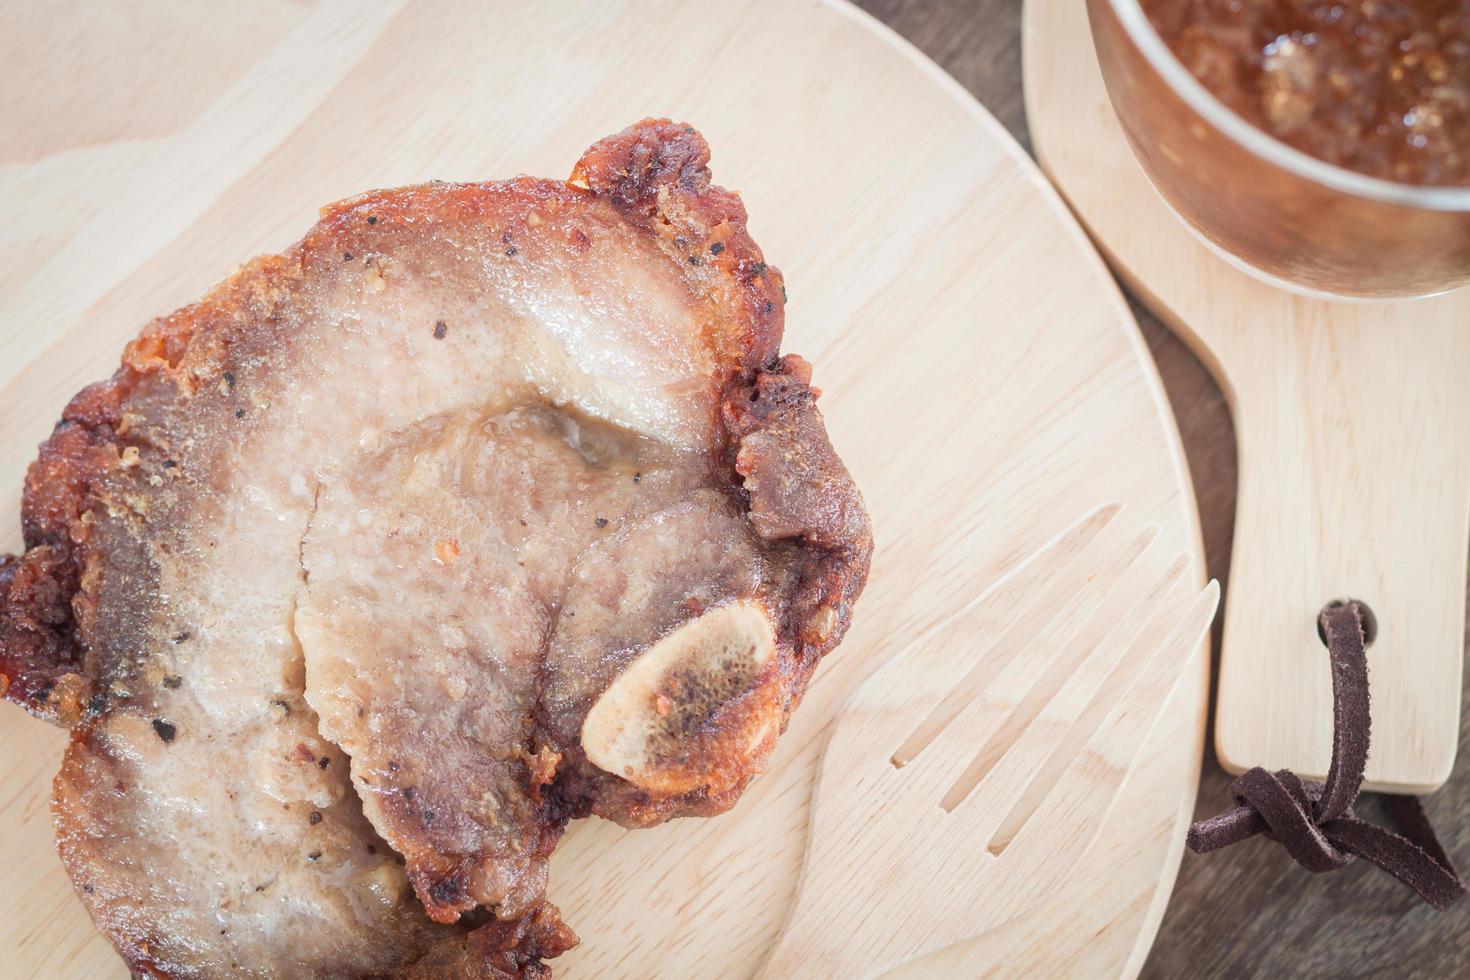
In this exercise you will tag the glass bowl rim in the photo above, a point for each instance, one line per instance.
(1258, 142)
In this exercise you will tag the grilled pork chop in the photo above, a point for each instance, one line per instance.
(485, 507)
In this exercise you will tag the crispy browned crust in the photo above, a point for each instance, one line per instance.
(442, 881)
(796, 488)
(657, 172)
(798, 492)
(778, 456)
(499, 950)
(41, 656)
(49, 661)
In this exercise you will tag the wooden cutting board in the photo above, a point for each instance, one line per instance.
(985, 381)
(1353, 421)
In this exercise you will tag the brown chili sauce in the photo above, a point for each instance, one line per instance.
(1381, 87)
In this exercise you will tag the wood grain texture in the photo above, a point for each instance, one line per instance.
(977, 411)
(1008, 733)
(1352, 419)
(1248, 911)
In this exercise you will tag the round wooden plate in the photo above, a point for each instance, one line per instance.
(985, 381)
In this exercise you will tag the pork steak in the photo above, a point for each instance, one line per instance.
(483, 508)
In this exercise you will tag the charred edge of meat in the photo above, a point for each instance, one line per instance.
(444, 883)
(779, 458)
(657, 172)
(796, 490)
(40, 660)
(511, 950)
(47, 595)
(43, 596)
(797, 486)
(800, 489)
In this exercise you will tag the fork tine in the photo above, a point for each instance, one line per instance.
(1088, 768)
(996, 608)
(1050, 617)
(927, 667)
(1061, 693)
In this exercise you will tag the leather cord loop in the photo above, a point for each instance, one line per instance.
(1315, 821)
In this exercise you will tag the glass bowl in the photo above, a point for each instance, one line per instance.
(1284, 216)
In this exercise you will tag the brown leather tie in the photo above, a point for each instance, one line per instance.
(1315, 821)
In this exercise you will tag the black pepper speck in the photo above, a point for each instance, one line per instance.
(717, 248)
(602, 522)
(315, 818)
(172, 682)
(165, 730)
(440, 329)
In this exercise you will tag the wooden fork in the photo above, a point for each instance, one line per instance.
(969, 773)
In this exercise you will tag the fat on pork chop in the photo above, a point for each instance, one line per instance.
(483, 508)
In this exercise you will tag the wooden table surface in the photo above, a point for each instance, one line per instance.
(1248, 911)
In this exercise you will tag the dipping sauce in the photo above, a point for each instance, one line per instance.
(1381, 87)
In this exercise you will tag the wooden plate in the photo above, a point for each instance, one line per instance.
(986, 383)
